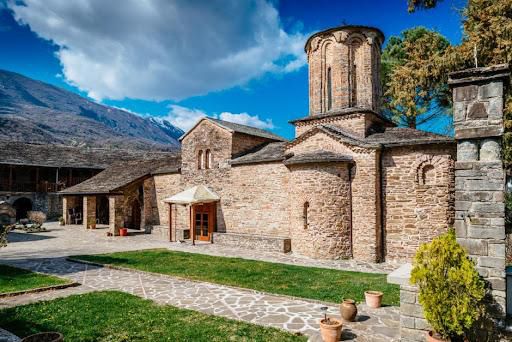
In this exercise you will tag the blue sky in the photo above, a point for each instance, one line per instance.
(240, 60)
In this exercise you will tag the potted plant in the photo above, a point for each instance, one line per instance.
(61, 221)
(123, 231)
(348, 310)
(330, 328)
(92, 224)
(450, 288)
(373, 299)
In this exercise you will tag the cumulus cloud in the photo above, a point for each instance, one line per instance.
(160, 49)
(185, 118)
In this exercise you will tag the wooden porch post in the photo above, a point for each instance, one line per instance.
(170, 222)
(192, 225)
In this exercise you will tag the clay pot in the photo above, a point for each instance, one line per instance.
(348, 310)
(44, 337)
(432, 337)
(123, 231)
(373, 298)
(330, 332)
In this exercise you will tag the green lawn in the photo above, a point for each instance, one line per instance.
(13, 279)
(115, 316)
(305, 282)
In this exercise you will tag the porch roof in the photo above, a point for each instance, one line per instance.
(196, 194)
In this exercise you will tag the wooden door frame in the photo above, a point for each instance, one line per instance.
(211, 211)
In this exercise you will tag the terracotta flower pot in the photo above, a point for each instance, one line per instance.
(330, 329)
(373, 298)
(123, 232)
(348, 310)
(44, 337)
(433, 337)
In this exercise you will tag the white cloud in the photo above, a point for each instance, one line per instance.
(185, 118)
(246, 119)
(162, 49)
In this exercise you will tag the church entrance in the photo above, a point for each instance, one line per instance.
(204, 220)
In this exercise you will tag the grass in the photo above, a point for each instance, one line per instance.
(116, 316)
(306, 282)
(13, 279)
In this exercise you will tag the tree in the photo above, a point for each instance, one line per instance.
(421, 4)
(415, 86)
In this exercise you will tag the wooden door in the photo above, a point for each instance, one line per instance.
(204, 217)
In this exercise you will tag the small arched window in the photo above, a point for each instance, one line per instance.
(207, 159)
(428, 175)
(200, 159)
(329, 89)
(305, 210)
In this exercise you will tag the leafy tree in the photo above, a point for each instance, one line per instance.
(450, 288)
(421, 4)
(415, 87)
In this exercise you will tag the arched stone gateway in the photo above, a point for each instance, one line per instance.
(22, 206)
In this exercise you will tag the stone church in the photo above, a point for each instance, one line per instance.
(349, 185)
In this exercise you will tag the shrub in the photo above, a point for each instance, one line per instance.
(450, 288)
(4, 229)
(37, 216)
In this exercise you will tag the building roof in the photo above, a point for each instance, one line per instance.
(196, 194)
(17, 153)
(120, 174)
(348, 28)
(238, 128)
(343, 112)
(401, 136)
(270, 152)
(319, 156)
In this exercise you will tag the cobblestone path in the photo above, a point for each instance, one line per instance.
(247, 305)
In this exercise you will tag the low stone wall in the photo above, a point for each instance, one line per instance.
(162, 231)
(413, 326)
(255, 242)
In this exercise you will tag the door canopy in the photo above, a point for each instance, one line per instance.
(194, 195)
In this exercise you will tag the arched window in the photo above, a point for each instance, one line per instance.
(329, 89)
(355, 60)
(208, 159)
(200, 160)
(305, 210)
(428, 175)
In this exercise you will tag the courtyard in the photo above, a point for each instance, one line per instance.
(47, 253)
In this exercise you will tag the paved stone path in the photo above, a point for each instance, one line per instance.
(251, 306)
(33, 252)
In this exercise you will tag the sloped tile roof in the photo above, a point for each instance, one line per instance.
(270, 152)
(119, 175)
(400, 136)
(17, 153)
(319, 156)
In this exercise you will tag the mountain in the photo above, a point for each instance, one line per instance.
(33, 111)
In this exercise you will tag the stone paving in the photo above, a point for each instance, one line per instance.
(251, 306)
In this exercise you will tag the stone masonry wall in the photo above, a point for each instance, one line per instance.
(365, 192)
(322, 230)
(89, 212)
(244, 142)
(418, 185)
(354, 123)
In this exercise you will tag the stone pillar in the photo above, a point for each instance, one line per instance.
(89, 211)
(116, 213)
(479, 173)
(65, 208)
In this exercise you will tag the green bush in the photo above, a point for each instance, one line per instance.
(450, 288)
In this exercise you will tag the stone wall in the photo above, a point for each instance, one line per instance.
(480, 175)
(418, 186)
(116, 213)
(365, 191)
(89, 211)
(354, 123)
(320, 210)
(253, 242)
(244, 142)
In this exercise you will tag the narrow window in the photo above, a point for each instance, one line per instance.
(207, 159)
(200, 160)
(428, 175)
(329, 89)
(305, 214)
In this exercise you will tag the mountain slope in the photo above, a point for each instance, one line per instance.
(33, 111)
